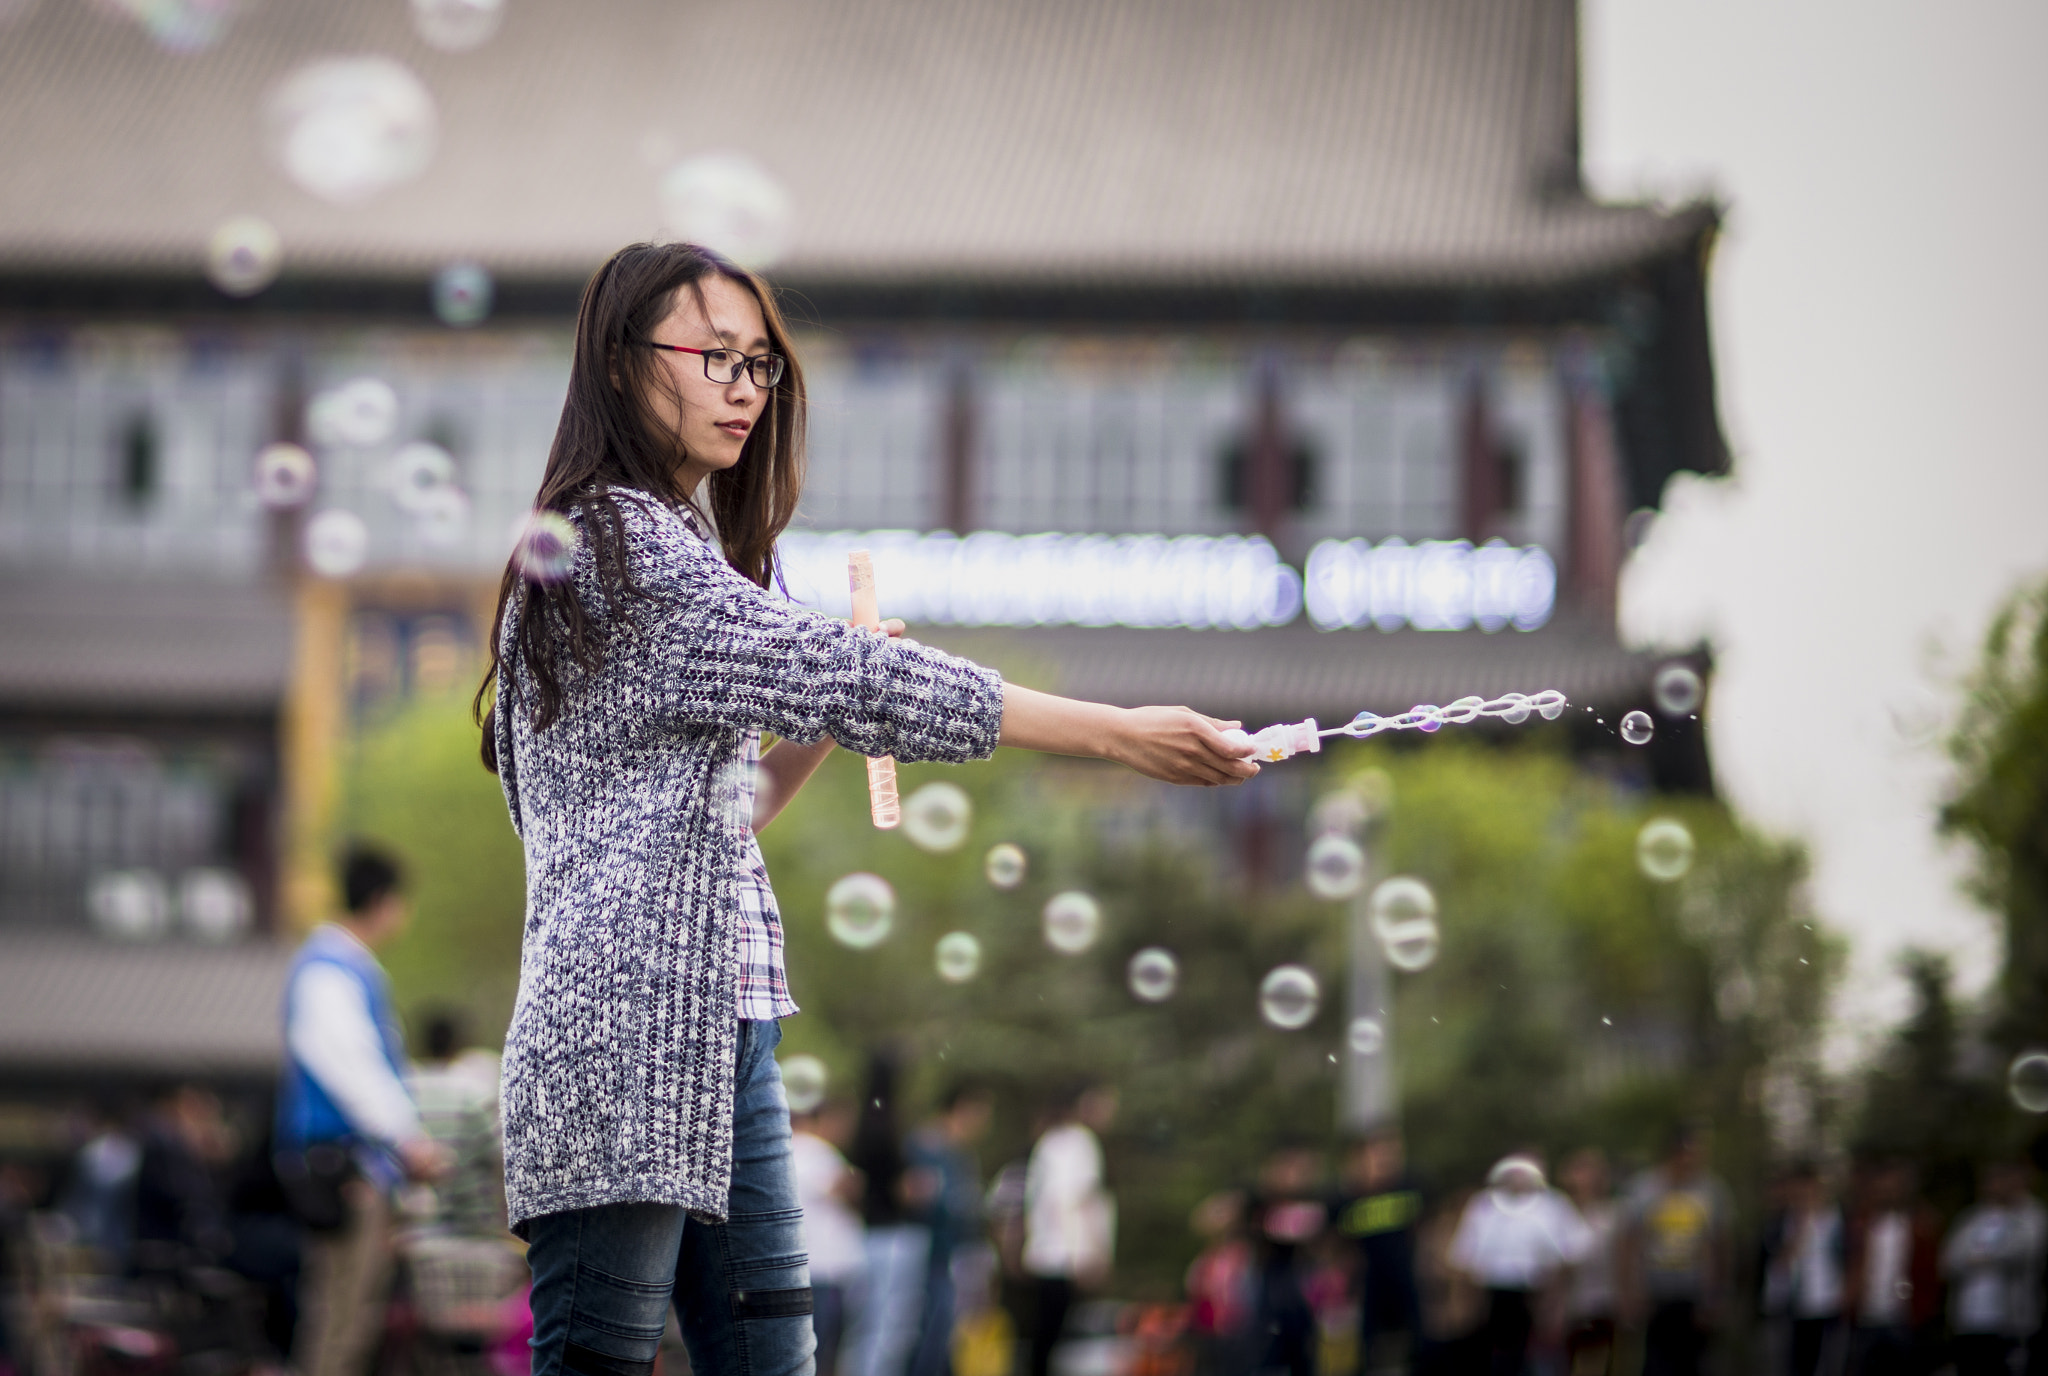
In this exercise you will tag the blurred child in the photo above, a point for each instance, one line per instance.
(1221, 1286)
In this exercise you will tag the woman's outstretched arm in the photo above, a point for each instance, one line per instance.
(1175, 745)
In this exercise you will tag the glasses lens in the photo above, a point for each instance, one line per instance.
(723, 365)
(766, 369)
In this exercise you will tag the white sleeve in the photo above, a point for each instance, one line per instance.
(1466, 1243)
(332, 1035)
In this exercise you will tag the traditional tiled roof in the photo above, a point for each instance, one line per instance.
(1374, 143)
(72, 1004)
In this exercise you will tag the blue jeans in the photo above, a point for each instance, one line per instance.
(604, 1278)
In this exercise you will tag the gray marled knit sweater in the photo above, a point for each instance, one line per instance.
(619, 1062)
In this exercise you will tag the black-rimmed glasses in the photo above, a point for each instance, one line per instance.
(725, 365)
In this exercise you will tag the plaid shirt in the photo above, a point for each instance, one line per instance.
(763, 992)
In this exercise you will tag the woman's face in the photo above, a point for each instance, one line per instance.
(713, 419)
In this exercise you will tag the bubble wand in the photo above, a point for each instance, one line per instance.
(860, 580)
(1285, 739)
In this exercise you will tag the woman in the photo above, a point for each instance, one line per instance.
(646, 1141)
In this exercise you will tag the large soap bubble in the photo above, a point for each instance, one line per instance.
(1401, 903)
(1365, 1036)
(1637, 728)
(1664, 849)
(285, 476)
(937, 817)
(729, 203)
(2027, 1081)
(1289, 997)
(804, 1079)
(346, 128)
(416, 473)
(1413, 948)
(1153, 974)
(1071, 921)
(244, 255)
(1336, 867)
(958, 957)
(336, 543)
(1004, 865)
(545, 550)
(129, 905)
(1678, 690)
(859, 910)
(456, 26)
(359, 413)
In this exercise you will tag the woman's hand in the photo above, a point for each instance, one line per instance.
(1178, 745)
(1175, 745)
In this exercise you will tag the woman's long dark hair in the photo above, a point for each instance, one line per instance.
(609, 438)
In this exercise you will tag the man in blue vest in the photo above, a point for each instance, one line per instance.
(347, 1130)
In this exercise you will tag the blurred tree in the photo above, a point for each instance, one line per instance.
(2000, 806)
(413, 784)
(1920, 1103)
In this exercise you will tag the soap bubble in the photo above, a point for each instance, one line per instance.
(456, 26)
(1413, 948)
(2027, 1081)
(1004, 865)
(958, 956)
(244, 255)
(129, 905)
(359, 413)
(1153, 974)
(1289, 997)
(1400, 903)
(441, 516)
(285, 476)
(1428, 724)
(1637, 728)
(463, 293)
(546, 549)
(1365, 1036)
(1363, 723)
(1678, 690)
(1518, 713)
(1336, 867)
(214, 904)
(337, 542)
(804, 1079)
(346, 128)
(1071, 921)
(416, 473)
(728, 203)
(181, 26)
(936, 817)
(859, 910)
(1664, 849)
(1550, 703)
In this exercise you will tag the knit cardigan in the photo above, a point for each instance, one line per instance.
(618, 1070)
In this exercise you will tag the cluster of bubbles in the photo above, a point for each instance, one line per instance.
(1004, 865)
(2027, 1081)
(804, 1081)
(937, 817)
(1289, 997)
(729, 203)
(1664, 849)
(420, 477)
(347, 128)
(1071, 922)
(860, 910)
(1513, 708)
(210, 905)
(544, 547)
(1402, 913)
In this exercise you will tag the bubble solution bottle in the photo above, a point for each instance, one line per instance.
(1279, 741)
(883, 804)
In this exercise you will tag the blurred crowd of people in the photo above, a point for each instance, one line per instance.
(1517, 1277)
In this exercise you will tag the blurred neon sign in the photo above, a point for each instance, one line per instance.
(1433, 585)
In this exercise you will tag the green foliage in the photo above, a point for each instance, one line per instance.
(414, 785)
(1574, 1001)
(2000, 806)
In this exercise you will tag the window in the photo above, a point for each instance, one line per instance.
(137, 463)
